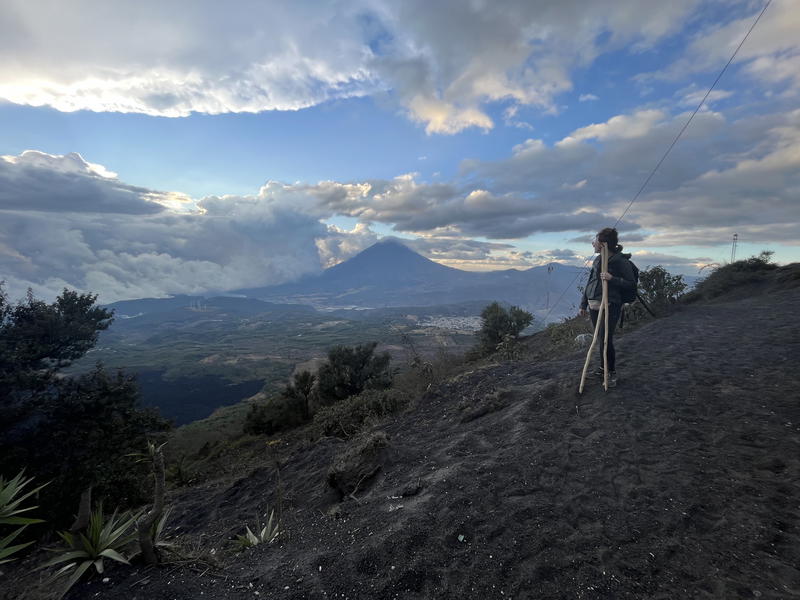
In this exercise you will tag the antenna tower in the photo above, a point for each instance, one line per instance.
(733, 246)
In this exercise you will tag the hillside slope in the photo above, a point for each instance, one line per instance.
(684, 481)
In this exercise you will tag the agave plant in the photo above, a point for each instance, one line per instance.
(157, 531)
(6, 549)
(11, 498)
(102, 539)
(265, 534)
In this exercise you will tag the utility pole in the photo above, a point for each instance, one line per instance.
(549, 270)
(733, 246)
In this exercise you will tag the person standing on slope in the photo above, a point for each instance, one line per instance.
(619, 277)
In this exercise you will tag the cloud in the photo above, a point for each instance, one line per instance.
(469, 254)
(340, 244)
(753, 184)
(692, 96)
(443, 62)
(560, 255)
(38, 181)
(618, 127)
(574, 186)
(171, 60)
(66, 222)
(587, 98)
(672, 263)
(729, 174)
(770, 54)
(434, 208)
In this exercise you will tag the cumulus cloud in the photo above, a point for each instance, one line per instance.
(66, 222)
(770, 54)
(472, 255)
(618, 127)
(753, 184)
(587, 98)
(438, 208)
(444, 62)
(692, 96)
(560, 255)
(340, 244)
(671, 262)
(171, 60)
(723, 176)
(38, 181)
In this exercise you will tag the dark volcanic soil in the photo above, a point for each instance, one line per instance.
(683, 482)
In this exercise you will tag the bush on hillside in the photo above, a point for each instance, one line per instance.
(561, 336)
(351, 370)
(276, 414)
(423, 374)
(501, 326)
(725, 279)
(346, 418)
(659, 289)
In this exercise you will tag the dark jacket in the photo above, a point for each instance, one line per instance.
(620, 268)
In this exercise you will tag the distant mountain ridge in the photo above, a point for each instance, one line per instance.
(389, 274)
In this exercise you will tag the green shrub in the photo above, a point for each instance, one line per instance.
(351, 370)
(276, 414)
(659, 287)
(346, 418)
(727, 278)
(561, 336)
(498, 323)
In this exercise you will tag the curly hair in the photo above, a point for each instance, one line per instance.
(610, 236)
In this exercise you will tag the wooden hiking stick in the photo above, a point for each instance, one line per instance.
(604, 260)
(603, 312)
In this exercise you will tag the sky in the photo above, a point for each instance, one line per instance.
(195, 147)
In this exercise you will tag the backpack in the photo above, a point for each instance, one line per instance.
(629, 296)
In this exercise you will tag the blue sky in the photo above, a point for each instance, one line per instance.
(191, 148)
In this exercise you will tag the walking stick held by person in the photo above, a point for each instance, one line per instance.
(603, 311)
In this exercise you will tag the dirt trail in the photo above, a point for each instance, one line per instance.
(682, 482)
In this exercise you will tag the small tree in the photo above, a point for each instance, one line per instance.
(351, 370)
(74, 431)
(498, 323)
